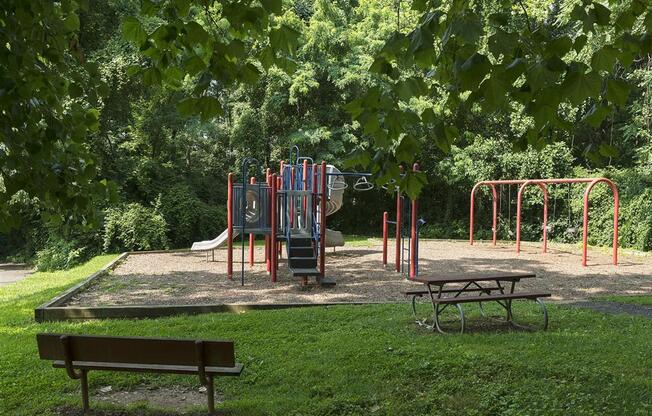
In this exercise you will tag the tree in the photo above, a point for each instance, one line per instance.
(490, 57)
(47, 97)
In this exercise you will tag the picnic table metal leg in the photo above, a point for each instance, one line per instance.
(438, 325)
(544, 312)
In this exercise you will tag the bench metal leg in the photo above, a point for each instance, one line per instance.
(83, 380)
(210, 392)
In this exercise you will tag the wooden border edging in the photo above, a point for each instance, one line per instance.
(71, 313)
(41, 312)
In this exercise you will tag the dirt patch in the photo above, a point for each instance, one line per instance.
(173, 400)
(187, 278)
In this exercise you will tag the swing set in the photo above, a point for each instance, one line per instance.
(543, 185)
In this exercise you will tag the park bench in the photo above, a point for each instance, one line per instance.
(79, 354)
(435, 289)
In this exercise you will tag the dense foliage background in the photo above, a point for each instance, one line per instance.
(170, 171)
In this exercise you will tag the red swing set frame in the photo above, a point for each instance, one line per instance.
(543, 185)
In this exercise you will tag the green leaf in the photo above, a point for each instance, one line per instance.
(196, 34)
(381, 66)
(413, 183)
(428, 116)
(284, 38)
(579, 43)
(133, 31)
(617, 92)
(71, 22)
(604, 58)
(596, 115)
(578, 85)
(152, 76)
(473, 71)
(538, 76)
(208, 107)
(601, 13)
(273, 6)
(608, 150)
(503, 43)
(194, 65)
(407, 149)
(469, 29)
(494, 94)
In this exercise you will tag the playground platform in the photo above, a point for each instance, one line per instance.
(186, 278)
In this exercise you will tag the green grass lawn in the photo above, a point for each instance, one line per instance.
(357, 360)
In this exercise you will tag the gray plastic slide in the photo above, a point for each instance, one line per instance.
(214, 243)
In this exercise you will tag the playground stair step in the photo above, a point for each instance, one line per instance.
(302, 252)
(313, 271)
(303, 262)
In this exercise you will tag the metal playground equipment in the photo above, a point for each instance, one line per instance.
(543, 185)
(407, 234)
(290, 207)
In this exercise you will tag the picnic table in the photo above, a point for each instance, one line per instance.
(446, 290)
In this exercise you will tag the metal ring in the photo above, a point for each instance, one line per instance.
(542, 309)
(363, 185)
(438, 325)
(338, 185)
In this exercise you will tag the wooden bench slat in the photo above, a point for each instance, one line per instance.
(151, 368)
(136, 350)
(487, 298)
(435, 291)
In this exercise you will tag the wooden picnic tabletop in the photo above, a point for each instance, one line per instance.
(443, 279)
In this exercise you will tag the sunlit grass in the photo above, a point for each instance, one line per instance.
(354, 360)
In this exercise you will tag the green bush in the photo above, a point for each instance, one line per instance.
(636, 222)
(60, 254)
(189, 219)
(134, 227)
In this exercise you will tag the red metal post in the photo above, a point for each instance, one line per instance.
(585, 225)
(229, 221)
(273, 258)
(305, 187)
(494, 223)
(413, 233)
(398, 230)
(292, 187)
(544, 189)
(252, 237)
(268, 179)
(279, 244)
(385, 218)
(322, 222)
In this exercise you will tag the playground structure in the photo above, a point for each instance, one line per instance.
(290, 207)
(543, 185)
(407, 234)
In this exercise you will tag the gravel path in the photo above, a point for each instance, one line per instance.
(186, 278)
(615, 308)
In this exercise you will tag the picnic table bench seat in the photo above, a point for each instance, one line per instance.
(79, 354)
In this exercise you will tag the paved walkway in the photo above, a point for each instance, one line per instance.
(11, 273)
(615, 308)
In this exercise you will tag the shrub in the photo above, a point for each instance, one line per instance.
(134, 227)
(59, 254)
(636, 222)
(189, 218)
